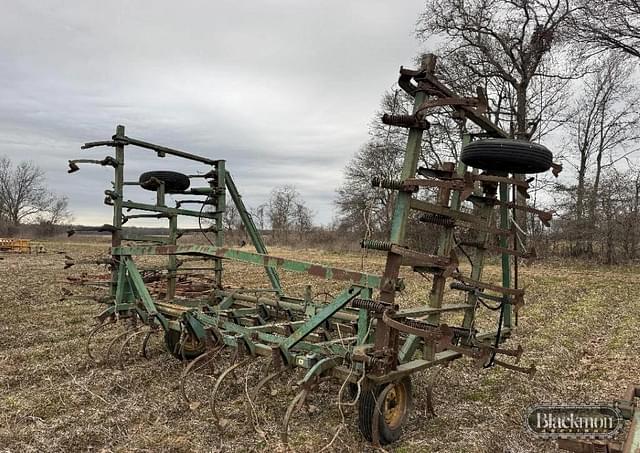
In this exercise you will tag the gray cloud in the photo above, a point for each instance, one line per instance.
(283, 90)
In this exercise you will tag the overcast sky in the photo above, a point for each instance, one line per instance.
(283, 90)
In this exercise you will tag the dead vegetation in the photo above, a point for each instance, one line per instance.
(578, 326)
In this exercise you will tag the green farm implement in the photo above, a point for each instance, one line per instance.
(361, 337)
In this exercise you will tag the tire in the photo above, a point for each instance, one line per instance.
(507, 156)
(190, 349)
(173, 181)
(389, 431)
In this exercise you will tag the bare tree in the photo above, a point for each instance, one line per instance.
(303, 218)
(287, 212)
(24, 196)
(602, 129)
(508, 48)
(231, 218)
(608, 25)
(365, 210)
(57, 212)
(258, 215)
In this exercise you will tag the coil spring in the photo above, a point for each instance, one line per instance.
(418, 324)
(438, 219)
(374, 244)
(461, 287)
(404, 121)
(456, 331)
(387, 183)
(370, 305)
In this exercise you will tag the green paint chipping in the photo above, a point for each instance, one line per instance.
(317, 270)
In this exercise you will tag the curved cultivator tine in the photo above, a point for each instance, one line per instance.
(296, 404)
(229, 371)
(118, 337)
(196, 364)
(124, 345)
(92, 334)
(308, 383)
(264, 381)
(145, 342)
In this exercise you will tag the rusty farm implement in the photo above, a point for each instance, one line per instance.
(361, 337)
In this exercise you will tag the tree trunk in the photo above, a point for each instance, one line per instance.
(578, 248)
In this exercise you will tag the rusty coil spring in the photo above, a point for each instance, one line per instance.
(404, 121)
(374, 244)
(370, 305)
(415, 327)
(387, 183)
(438, 219)
(418, 324)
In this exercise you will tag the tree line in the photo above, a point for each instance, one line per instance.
(24, 198)
(559, 72)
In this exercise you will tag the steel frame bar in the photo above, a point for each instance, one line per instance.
(318, 270)
(252, 231)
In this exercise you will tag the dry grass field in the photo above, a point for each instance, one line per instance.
(579, 326)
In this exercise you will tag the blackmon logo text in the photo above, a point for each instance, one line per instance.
(573, 420)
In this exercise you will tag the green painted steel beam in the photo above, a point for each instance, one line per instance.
(317, 270)
(317, 370)
(445, 245)
(138, 284)
(252, 231)
(284, 303)
(161, 150)
(220, 201)
(121, 285)
(145, 238)
(228, 328)
(506, 259)
(196, 326)
(166, 210)
(322, 316)
(118, 186)
(201, 190)
(403, 199)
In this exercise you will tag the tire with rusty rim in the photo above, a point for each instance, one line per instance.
(395, 410)
(191, 348)
(507, 156)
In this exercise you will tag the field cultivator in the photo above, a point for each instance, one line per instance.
(361, 338)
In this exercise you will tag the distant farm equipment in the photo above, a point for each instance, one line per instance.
(20, 246)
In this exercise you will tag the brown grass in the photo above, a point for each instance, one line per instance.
(579, 326)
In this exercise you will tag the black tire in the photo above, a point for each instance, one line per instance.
(173, 181)
(190, 350)
(389, 433)
(507, 156)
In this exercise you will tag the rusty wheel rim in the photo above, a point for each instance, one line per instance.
(191, 344)
(395, 405)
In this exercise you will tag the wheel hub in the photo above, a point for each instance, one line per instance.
(395, 406)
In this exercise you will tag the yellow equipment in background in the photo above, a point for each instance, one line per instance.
(20, 246)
